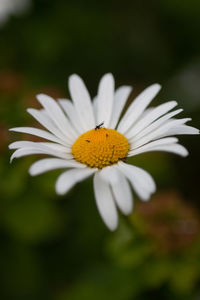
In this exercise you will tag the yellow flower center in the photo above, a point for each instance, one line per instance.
(100, 147)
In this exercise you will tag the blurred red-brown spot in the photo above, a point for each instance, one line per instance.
(3, 136)
(10, 81)
(30, 99)
(170, 220)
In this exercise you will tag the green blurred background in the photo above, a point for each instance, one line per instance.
(57, 248)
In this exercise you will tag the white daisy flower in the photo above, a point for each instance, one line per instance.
(91, 138)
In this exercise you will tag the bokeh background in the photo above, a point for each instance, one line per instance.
(57, 248)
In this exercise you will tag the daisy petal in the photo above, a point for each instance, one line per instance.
(24, 152)
(155, 125)
(120, 98)
(123, 195)
(71, 112)
(57, 115)
(161, 131)
(94, 105)
(148, 147)
(161, 145)
(69, 178)
(42, 146)
(105, 202)
(150, 117)
(141, 181)
(105, 99)
(182, 129)
(137, 107)
(48, 164)
(82, 102)
(173, 148)
(39, 148)
(44, 120)
(29, 151)
(120, 187)
(37, 132)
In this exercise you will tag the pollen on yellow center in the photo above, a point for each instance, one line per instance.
(98, 148)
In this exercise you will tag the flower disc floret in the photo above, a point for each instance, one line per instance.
(98, 148)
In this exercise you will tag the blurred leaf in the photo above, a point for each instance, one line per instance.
(33, 219)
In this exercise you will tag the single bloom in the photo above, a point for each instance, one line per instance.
(95, 137)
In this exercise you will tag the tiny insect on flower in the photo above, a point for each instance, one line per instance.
(77, 144)
(99, 126)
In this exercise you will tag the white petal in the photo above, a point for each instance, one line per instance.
(123, 195)
(137, 107)
(48, 164)
(82, 102)
(39, 150)
(38, 132)
(105, 202)
(150, 117)
(148, 147)
(57, 115)
(182, 129)
(94, 105)
(145, 113)
(120, 98)
(71, 112)
(29, 151)
(141, 181)
(109, 174)
(161, 145)
(155, 125)
(40, 145)
(20, 144)
(44, 120)
(173, 148)
(24, 152)
(120, 187)
(160, 132)
(69, 178)
(105, 99)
